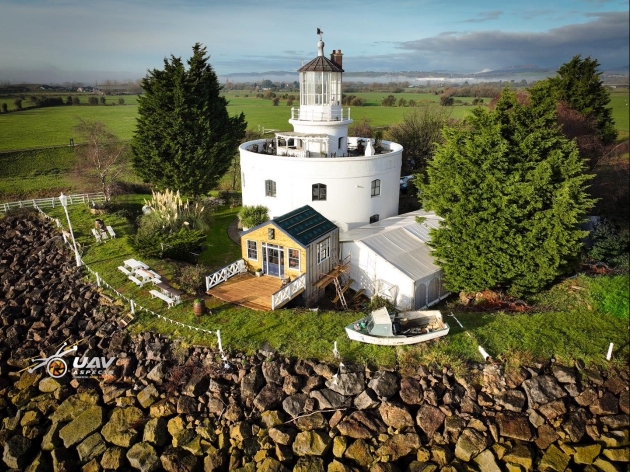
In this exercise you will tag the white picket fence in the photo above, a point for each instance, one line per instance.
(287, 293)
(222, 275)
(52, 202)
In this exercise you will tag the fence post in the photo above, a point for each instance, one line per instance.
(133, 306)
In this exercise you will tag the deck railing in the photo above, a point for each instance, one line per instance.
(222, 275)
(287, 293)
(52, 202)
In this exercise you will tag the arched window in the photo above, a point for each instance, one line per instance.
(270, 188)
(319, 192)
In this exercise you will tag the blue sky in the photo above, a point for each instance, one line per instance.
(71, 40)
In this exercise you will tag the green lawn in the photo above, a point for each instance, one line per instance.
(39, 127)
(571, 324)
(619, 101)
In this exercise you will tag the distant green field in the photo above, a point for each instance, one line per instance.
(621, 114)
(40, 127)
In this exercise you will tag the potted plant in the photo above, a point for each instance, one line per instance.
(258, 272)
(199, 306)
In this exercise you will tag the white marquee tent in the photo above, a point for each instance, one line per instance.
(391, 258)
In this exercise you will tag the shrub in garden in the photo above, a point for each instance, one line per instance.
(610, 244)
(171, 228)
(192, 278)
(251, 216)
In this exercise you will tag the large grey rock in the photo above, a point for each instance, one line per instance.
(351, 383)
(542, 389)
(252, 383)
(366, 400)
(294, 404)
(327, 399)
(384, 384)
(142, 456)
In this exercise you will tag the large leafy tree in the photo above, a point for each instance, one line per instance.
(185, 138)
(511, 190)
(579, 85)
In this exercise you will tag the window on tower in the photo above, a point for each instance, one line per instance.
(376, 187)
(319, 192)
(270, 188)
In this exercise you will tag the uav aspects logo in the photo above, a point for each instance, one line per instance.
(56, 366)
(82, 367)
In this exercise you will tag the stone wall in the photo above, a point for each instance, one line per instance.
(166, 406)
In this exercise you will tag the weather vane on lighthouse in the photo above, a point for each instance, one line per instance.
(320, 32)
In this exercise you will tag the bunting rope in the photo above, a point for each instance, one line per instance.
(120, 295)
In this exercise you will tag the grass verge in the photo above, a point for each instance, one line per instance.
(569, 325)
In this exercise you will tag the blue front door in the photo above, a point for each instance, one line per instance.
(273, 260)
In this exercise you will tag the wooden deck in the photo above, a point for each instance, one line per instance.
(248, 290)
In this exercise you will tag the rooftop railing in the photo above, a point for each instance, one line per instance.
(310, 115)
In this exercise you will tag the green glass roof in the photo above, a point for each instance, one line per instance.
(304, 224)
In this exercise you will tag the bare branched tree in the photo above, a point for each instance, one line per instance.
(418, 133)
(103, 158)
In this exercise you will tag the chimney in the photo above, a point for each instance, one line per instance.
(336, 57)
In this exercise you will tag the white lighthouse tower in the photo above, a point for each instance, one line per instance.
(317, 163)
(320, 109)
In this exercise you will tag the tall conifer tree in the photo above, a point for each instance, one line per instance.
(511, 190)
(185, 139)
(578, 83)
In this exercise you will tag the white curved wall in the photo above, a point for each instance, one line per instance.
(348, 203)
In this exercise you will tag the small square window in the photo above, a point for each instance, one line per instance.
(319, 192)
